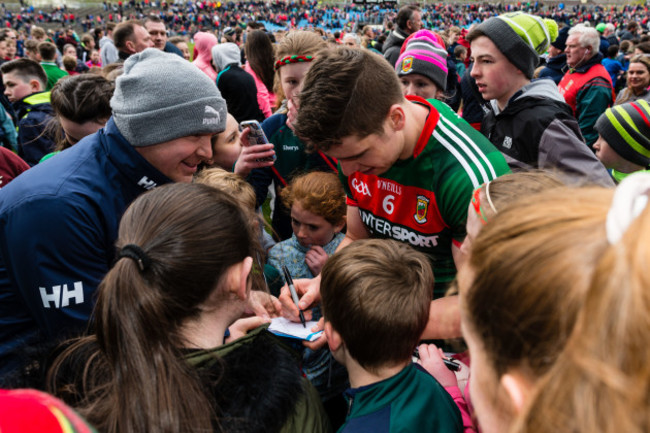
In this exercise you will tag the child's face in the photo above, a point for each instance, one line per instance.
(606, 154)
(495, 76)
(16, 88)
(291, 78)
(311, 229)
(94, 57)
(184, 49)
(638, 77)
(227, 145)
(419, 85)
(3, 49)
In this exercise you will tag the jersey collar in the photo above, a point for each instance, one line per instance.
(429, 125)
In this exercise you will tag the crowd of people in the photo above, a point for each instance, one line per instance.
(451, 199)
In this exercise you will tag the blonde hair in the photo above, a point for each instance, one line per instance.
(230, 183)
(295, 43)
(532, 265)
(601, 384)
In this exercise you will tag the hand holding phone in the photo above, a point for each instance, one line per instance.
(256, 137)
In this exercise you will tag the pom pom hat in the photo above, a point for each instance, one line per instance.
(423, 53)
(521, 37)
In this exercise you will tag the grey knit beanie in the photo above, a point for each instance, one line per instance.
(161, 97)
(521, 37)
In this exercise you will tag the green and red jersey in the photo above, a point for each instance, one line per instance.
(423, 200)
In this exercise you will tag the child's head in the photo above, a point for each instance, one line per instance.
(47, 50)
(624, 136)
(31, 50)
(226, 146)
(95, 57)
(228, 182)
(460, 52)
(422, 65)
(317, 204)
(22, 77)
(506, 51)
(532, 265)
(291, 70)
(376, 295)
(348, 93)
(494, 196)
(81, 104)
(612, 51)
(69, 63)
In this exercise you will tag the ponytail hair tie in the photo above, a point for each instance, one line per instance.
(136, 254)
(630, 198)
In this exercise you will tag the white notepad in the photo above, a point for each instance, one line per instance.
(286, 328)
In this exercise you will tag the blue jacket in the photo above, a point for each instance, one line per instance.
(554, 68)
(33, 114)
(58, 224)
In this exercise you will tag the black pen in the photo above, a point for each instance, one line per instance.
(294, 295)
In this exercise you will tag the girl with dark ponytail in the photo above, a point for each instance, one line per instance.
(159, 361)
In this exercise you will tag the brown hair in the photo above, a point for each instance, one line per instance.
(26, 69)
(133, 375)
(47, 50)
(318, 192)
(340, 97)
(124, 32)
(69, 63)
(260, 56)
(37, 32)
(80, 99)
(532, 265)
(31, 46)
(376, 294)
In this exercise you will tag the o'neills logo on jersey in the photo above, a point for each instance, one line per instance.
(421, 210)
(407, 64)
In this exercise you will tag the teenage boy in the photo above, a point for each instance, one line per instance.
(529, 123)
(25, 82)
(623, 143)
(409, 166)
(376, 295)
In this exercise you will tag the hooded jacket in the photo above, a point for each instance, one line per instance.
(393, 45)
(235, 84)
(33, 113)
(537, 130)
(203, 43)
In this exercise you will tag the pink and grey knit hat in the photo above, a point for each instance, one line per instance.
(424, 53)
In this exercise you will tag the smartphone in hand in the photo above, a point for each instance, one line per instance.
(256, 136)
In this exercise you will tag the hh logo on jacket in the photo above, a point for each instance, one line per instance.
(61, 295)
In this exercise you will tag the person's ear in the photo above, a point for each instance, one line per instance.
(130, 46)
(397, 117)
(35, 86)
(334, 340)
(238, 278)
(517, 387)
(338, 227)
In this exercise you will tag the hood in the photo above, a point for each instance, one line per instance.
(541, 88)
(203, 43)
(226, 54)
(395, 38)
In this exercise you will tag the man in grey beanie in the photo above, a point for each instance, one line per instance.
(58, 221)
